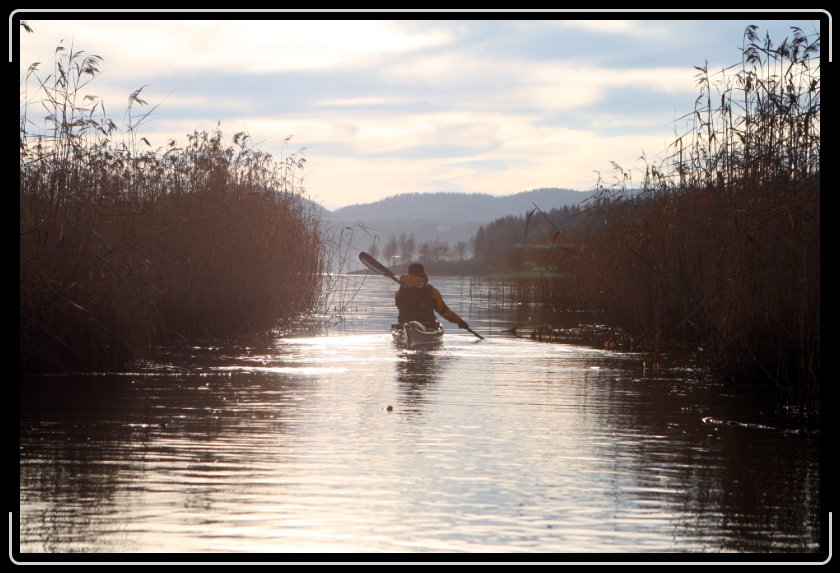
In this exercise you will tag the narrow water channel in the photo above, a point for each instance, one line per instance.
(344, 442)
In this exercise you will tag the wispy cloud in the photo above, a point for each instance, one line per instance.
(384, 106)
(170, 47)
(638, 29)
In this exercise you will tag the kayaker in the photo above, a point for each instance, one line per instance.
(418, 300)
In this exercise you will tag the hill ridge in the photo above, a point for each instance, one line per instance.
(454, 207)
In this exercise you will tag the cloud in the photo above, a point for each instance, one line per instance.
(627, 28)
(169, 47)
(364, 102)
(381, 107)
(524, 156)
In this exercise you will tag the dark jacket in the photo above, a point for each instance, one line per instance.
(418, 300)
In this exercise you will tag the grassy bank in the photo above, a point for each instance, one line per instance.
(123, 246)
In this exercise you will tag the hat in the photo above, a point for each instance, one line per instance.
(417, 270)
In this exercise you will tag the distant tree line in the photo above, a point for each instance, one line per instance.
(493, 248)
(405, 249)
(514, 243)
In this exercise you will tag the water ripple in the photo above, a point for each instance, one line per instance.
(348, 443)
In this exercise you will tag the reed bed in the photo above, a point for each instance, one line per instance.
(720, 246)
(716, 250)
(123, 247)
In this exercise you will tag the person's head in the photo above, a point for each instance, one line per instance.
(417, 270)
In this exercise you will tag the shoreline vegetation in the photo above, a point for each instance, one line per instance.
(124, 247)
(714, 255)
(717, 251)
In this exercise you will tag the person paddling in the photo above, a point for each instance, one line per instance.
(418, 300)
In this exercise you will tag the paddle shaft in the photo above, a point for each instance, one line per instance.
(381, 269)
(475, 333)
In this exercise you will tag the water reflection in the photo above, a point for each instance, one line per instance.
(417, 372)
(741, 480)
(286, 444)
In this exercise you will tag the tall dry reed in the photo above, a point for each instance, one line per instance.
(123, 246)
(720, 246)
(717, 249)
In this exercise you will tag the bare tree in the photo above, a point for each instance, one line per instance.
(425, 252)
(408, 247)
(391, 249)
(461, 250)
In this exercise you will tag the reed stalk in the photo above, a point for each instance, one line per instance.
(123, 247)
(717, 249)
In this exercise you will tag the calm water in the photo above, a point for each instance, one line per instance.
(505, 445)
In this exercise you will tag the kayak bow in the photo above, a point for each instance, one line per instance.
(415, 334)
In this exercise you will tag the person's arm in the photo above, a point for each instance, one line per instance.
(445, 311)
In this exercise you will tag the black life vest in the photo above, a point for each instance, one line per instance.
(416, 303)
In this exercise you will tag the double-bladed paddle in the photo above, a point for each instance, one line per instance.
(381, 269)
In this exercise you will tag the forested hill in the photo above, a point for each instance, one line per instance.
(459, 207)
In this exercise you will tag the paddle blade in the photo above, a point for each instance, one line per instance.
(376, 266)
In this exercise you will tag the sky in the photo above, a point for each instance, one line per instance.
(382, 103)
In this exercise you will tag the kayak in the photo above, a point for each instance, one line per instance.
(397, 330)
(415, 334)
